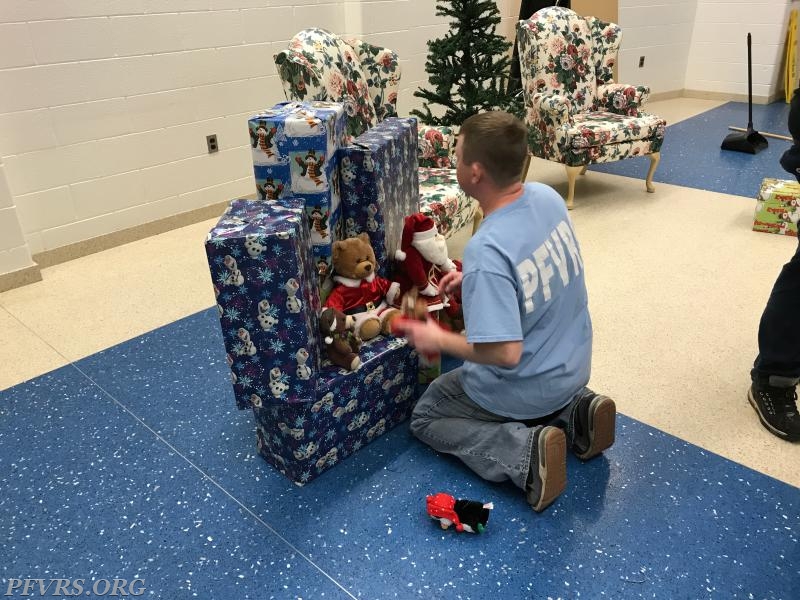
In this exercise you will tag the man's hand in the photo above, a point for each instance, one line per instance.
(450, 283)
(426, 336)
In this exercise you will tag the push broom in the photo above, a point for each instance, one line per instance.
(748, 141)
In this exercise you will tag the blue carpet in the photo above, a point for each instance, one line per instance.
(691, 155)
(89, 494)
(135, 463)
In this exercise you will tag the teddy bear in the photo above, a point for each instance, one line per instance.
(341, 343)
(359, 291)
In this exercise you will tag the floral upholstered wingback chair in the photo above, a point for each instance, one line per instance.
(318, 65)
(576, 114)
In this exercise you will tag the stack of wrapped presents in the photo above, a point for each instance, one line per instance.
(271, 265)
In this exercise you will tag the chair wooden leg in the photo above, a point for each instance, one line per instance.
(654, 158)
(583, 170)
(572, 175)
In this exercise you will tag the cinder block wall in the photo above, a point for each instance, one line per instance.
(106, 103)
(661, 31)
(14, 252)
(718, 54)
(700, 45)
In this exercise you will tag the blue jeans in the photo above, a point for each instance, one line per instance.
(778, 360)
(495, 447)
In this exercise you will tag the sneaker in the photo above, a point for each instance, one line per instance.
(595, 422)
(548, 474)
(777, 409)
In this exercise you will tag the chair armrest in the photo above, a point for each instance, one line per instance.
(621, 99)
(548, 117)
(554, 108)
(437, 146)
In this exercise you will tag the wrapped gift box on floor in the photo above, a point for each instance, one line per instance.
(380, 185)
(778, 207)
(309, 414)
(350, 410)
(295, 153)
(266, 291)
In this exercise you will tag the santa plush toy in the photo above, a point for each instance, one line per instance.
(421, 262)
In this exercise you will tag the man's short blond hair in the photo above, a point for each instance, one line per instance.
(499, 141)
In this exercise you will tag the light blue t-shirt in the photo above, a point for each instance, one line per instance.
(523, 280)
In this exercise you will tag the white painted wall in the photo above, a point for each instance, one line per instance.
(14, 252)
(107, 103)
(661, 31)
(718, 53)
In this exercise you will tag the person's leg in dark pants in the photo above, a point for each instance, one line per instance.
(495, 447)
(532, 454)
(776, 370)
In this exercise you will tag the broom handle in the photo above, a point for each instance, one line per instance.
(749, 84)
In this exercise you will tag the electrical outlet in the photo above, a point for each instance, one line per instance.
(641, 61)
(211, 142)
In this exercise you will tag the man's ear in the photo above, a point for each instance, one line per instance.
(476, 172)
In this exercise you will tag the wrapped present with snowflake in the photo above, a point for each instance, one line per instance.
(309, 412)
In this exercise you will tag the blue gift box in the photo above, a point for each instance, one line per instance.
(350, 410)
(309, 413)
(380, 185)
(295, 153)
(266, 290)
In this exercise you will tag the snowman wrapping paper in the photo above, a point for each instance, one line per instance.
(264, 281)
(295, 150)
(380, 185)
(309, 413)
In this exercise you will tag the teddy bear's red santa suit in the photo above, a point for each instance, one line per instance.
(355, 296)
(421, 262)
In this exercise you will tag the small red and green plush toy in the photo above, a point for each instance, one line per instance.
(465, 515)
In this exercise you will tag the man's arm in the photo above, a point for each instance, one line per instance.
(429, 338)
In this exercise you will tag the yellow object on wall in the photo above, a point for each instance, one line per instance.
(605, 10)
(790, 74)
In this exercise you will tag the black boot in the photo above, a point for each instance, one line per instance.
(777, 408)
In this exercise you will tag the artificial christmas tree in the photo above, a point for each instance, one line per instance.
(468, 68)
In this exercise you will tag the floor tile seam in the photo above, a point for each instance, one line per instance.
(211, 480)
(23, 324)
(19, 320)
(167, 444)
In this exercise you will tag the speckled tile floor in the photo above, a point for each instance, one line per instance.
(692, 153)
(129, 460)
